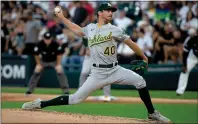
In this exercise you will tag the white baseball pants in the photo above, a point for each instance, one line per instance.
(192, 60)
(100, 77)
(86, 70)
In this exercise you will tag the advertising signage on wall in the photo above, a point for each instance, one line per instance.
(9, 71)
(14, 70)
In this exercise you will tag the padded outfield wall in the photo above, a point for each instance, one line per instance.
(16, 71)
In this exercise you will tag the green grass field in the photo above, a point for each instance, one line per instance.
(178, 113)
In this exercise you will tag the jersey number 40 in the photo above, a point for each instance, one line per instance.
(109, 51)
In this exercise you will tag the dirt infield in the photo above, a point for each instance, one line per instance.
(22, 116)
(92, 99)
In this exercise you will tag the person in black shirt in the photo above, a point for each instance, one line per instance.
(165, 38)
(174, 50)
(80, 16)
(4, 37)
(48, 54)
(190, 59)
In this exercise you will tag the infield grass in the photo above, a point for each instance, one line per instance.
(132, 93)
(178, 113)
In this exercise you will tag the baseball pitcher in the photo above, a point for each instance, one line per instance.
(105, 70)
(86, 70)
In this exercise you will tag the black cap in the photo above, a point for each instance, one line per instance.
(47, 35)
(106, 6)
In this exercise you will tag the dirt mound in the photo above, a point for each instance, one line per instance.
(40, 116)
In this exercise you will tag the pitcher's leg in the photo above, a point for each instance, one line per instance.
(89, 86)
(81, 94)
(132, 78)
(82, 79)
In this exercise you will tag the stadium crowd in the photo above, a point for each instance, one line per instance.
(159, 28)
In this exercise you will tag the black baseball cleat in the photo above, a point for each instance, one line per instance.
(28, 93)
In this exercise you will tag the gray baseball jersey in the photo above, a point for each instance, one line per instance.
(102, 44)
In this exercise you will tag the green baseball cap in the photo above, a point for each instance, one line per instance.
(106, 6)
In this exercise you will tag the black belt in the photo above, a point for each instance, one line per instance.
(106, 66)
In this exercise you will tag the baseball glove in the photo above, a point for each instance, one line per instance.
(139, 66)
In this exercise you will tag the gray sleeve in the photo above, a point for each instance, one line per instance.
(120, 34)
(85, 30)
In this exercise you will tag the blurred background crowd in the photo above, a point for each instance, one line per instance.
(159, 28)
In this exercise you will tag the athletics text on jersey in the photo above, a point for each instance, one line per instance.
(102, 42)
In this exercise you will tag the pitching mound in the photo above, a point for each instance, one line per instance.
(40, 116)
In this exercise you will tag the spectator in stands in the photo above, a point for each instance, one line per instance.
(72, 54)
(66, 13)
(183, 10)
(174, 51)
(122, 21)
(134, 35)
(189, 22)
(4, 36)
(125, 54)
(90, 11)
(75, 47)
(62, 40)
(162, 12)
(165, 37)
(187, 6)
(158, 27)
(19, 38)
(144, 5)
(145, 42)
(145, 24)
(39, 12)
(80, 16)
(183, 14)
(195, 8)
(8, 31)
(53, 27)
(31, 31)
(14, 13)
